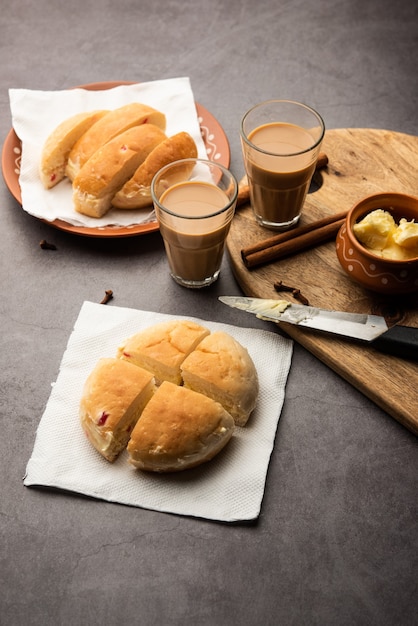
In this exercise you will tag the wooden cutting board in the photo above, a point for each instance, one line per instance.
(361, 162)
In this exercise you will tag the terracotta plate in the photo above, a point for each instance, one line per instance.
(213, 135)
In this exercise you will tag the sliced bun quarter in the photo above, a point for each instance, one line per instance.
(114, 123)
(113, 398)
(110, 167)
(162, 348)
(59, 144)
(222, 369)
(136, 192)
(179, 429)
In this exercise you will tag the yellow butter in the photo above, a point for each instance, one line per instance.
(379, 233)
(406, 235)
(373, 231)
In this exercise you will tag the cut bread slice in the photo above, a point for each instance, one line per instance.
(222, 369)
(57, 147)
(110, 167)
(178, 429)
(162, 348)
(113, 398)
(136, 192)
(115, 122)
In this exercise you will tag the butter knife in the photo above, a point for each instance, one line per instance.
(401, 341)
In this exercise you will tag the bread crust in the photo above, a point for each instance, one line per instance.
(222, 369)
(163, 347)
(60, 142)
(136, 193)
(179, 429)
(112, 124)
(113, 398)
(110, 166)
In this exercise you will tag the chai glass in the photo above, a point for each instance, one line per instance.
(280, 142)
(194, 201)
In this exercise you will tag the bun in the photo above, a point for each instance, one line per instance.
(136, 192)
(110, 167)
(221, 368)
(178, 429)
(172, 396)
(112, 124)
(162, 348)
(108, 161)
(114, 396)
(58, 145)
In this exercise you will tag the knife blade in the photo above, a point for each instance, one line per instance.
(398, 340)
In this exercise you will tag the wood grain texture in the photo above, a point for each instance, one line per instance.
(361, 162)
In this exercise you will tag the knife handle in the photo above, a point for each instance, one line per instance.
(401, 341)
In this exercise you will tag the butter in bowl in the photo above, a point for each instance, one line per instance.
(377, 245)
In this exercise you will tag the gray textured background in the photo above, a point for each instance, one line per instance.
(336, 542)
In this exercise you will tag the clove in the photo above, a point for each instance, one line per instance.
(47, 246)
(108, 296)
(296, 293)
(300, 297)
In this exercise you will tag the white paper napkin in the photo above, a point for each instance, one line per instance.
(35, 114)
(228, 488)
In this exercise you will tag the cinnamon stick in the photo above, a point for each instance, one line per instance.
(322, 161)
(292, 241)
(243, 194)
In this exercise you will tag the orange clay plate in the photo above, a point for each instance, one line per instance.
(213, 135)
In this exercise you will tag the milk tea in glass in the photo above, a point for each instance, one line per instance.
(280, 142)
(194, 201)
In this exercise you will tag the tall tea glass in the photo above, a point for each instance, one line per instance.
(280, 142)
(194, 201)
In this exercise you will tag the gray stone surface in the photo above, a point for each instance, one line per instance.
(337, 539)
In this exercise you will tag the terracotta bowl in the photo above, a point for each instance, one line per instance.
(370, 271)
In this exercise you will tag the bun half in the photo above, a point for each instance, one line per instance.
(114, 396)
(112, 124)
(179, 429)
(136, 192)
(57, 148)
(110, 166)
(221, 368)
(162, 348)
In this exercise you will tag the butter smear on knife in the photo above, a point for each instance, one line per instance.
(261, 307)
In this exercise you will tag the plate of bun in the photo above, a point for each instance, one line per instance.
(213, 136)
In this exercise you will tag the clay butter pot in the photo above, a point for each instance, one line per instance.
(384, 276)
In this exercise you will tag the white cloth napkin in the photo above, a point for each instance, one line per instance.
(228, 488)
(35, 114)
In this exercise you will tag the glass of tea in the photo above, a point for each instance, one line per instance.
(280, 142)
(194, 201)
